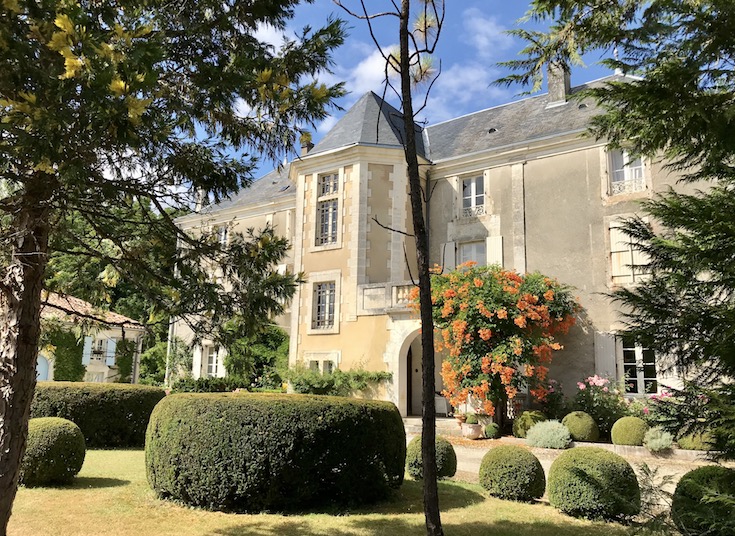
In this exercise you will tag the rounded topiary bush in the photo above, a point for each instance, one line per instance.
(492, 431)
(513, 473)
(54, 452)
(629, 431)
(446, 458)
(111, 415)
(702, 502)
(595, 483)
(525, 420)
(549, 435)
(255, 452)
(696, 441)
(582, 426)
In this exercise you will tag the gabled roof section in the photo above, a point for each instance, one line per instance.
(74, 311)
(370, 121)
(273, 186)
(509, 124)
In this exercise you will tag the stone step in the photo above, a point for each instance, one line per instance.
(444, 427)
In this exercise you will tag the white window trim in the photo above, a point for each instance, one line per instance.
(630, 185)
(333, 356)
(635, 275)
(640, 377)
(314, 279)
(462, 245)
(207, 350)
(474, 210)
(316, 199)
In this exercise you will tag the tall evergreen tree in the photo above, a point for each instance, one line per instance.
(120, 112)
(681, 109)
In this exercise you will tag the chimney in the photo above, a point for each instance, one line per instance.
(559, 82)
(306, 144)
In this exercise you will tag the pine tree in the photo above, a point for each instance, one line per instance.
(681, 110)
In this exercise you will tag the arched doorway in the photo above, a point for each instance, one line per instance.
(412, 382)
(42, 369)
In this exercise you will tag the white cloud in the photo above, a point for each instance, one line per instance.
(269, 34)
(485, 33)
(367, 75)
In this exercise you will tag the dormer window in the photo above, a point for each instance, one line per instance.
(473, 197)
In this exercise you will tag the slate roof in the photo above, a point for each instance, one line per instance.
(516, 122)
(70, 309)
(270, 187)
(368, 123)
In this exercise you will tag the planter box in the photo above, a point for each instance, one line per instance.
(471, 431)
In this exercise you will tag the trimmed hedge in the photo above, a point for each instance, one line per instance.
(55, 452)
(703, 502)
(629, 431)
(110, 415)
(582, 426)
(446, 458)
(595, 483)
(525, 420)
(248, 452)
(512, 473)
(695, 441)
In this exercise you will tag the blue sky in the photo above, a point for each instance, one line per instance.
(472, 42)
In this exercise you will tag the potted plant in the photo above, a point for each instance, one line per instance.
(461, 418)
(471, 428)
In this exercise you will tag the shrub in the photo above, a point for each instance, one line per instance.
(582, 426)
(548, 434)
(254, 452)
(629, 431)
(446, 458)
(472, 419)
(695, 441)
(209, 385)
(704, 502)
(337, 383)
(556, 405)
(601, 399)
(109, 415)
(595, 483)
(54, 452)
(525, 420)
(513, 473)
(492, 431)
(658, 440)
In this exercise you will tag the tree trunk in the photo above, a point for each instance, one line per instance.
(428, 422)
(20, 306)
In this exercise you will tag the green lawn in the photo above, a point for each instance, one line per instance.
(111, 497)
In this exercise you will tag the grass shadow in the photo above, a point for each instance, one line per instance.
(90, 482)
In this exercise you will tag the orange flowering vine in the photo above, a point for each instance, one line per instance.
(497, 330)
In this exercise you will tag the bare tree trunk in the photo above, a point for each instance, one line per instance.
(20, 306)
(428, 422)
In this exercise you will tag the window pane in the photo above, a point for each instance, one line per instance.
(473, 251)
(651, 386)
(324, 305)
(617, 163)
(479, 186)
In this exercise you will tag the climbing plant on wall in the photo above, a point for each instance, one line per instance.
(497, 331)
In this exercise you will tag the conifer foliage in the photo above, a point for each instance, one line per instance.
(678, 109)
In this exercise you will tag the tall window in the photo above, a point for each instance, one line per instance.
(327, 209)
(472, 251)
(210, 353)
(324, 304)
(639, 368)
(627, 263)
(473, 197)
(626, 173)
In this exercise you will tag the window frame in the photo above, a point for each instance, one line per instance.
(627, 273)
(315, 279)
(628, 348)
(210, 358)
(327, 211)
(469, 207)
(328, 291)
(633, 178)
(461, 249)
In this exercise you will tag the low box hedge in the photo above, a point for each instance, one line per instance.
(110, 415)
(54, 453)
(248, 452)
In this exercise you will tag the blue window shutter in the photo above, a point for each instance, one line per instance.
(111, 344)
(87, 352)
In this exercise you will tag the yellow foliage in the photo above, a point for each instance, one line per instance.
(59, 41)
(118, 87)
(28, 97)
(72, 66)
(136, 107)
(64, 23)
(45, 166)
(12, 6)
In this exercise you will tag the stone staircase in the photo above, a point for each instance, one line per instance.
(444, 426)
